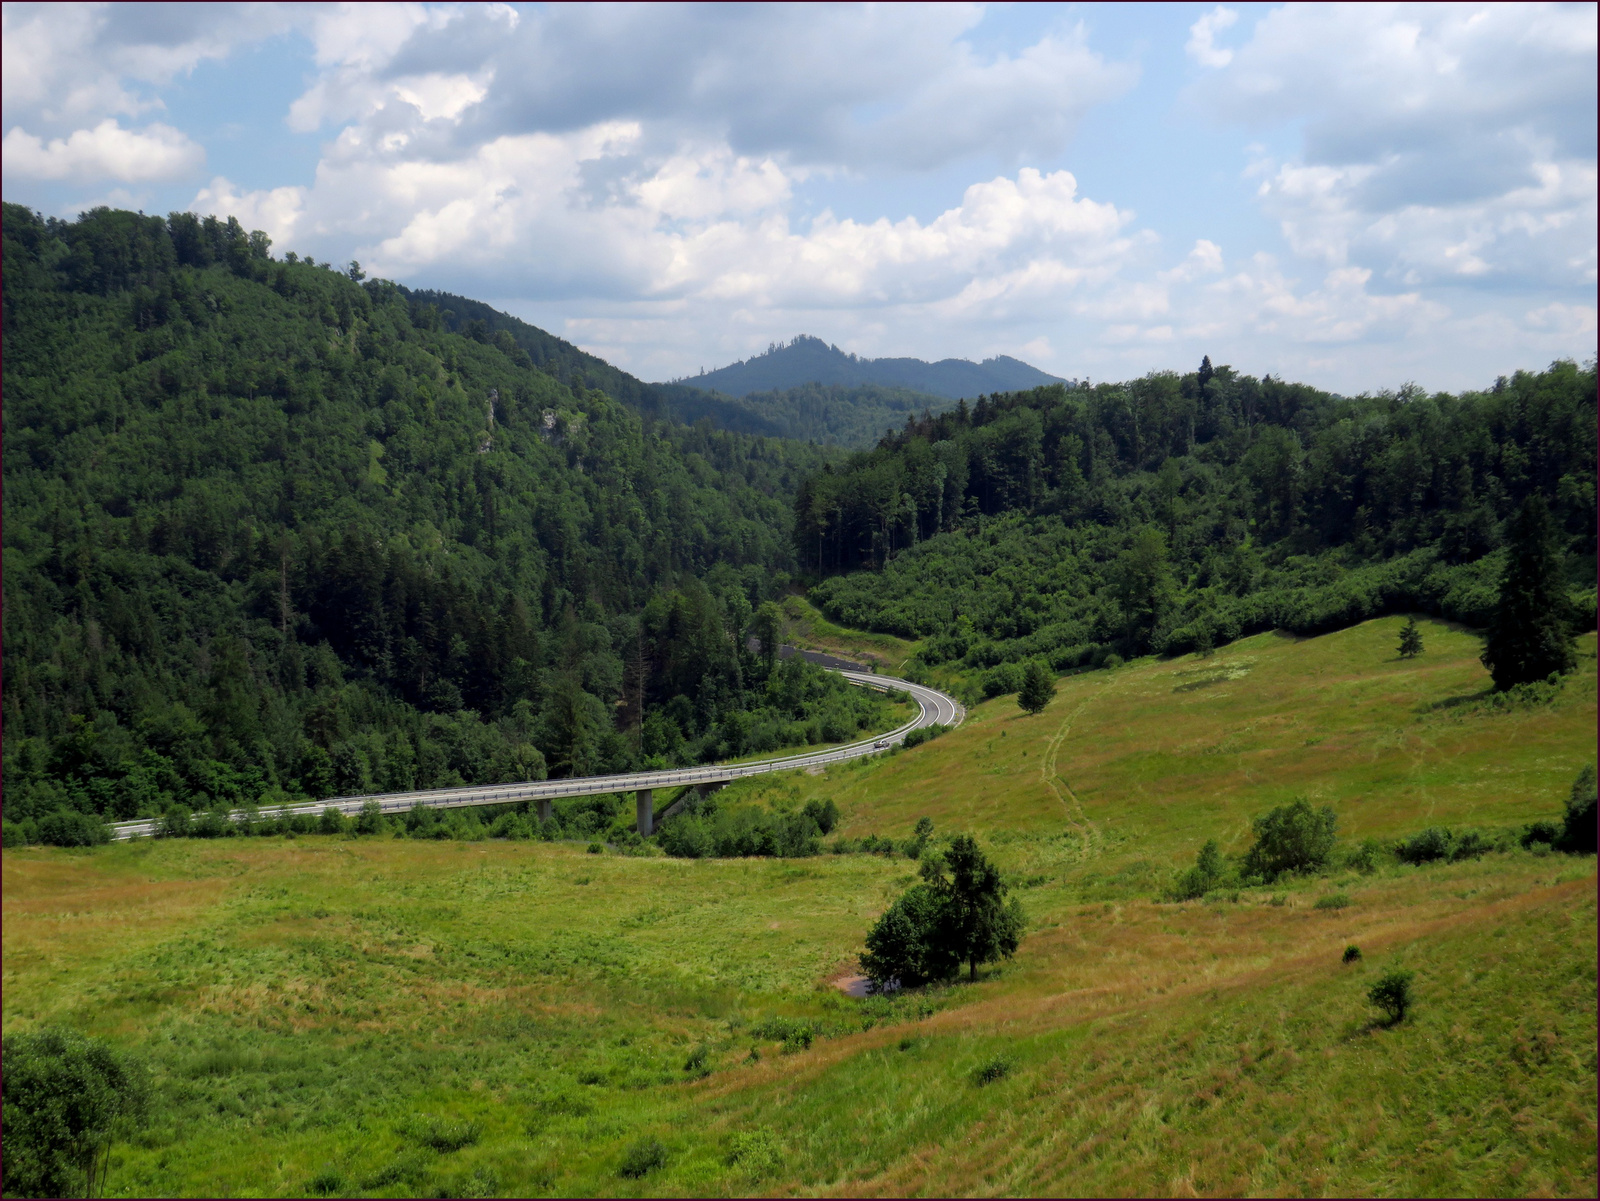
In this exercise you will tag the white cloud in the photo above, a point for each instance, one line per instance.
(1442, 143)
(274, 211)
(105, 152)
(1202, 46)
(65, 65)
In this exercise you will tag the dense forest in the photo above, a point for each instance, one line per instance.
(832, 414)
(274, 531)
(1175, 513)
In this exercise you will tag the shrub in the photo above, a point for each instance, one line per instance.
(1425, 847)
(1352, 954)
(824, 813)
(174, 823)
(327, 1182)
(69, 828)
(1392, 994)
(595, 848)
(996, 1069)
(1470, 845)
(66, 1098)
(696, 1063)
(1207, 873)
(1364, 858)
(441, 1134)
(1291, 838)
(370, 819)
(642, 1158)
(1334, 900)
(924, 734)
(1578, 826)
(332, 821)
(903, 948)
(756, 1152)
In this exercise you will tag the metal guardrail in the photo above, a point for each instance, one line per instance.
(538, 790)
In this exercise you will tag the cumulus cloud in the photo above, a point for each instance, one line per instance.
(105, 152)
(64, 64)
(1442, 143)
(1202, 46)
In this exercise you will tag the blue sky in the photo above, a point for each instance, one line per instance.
(1356, 196)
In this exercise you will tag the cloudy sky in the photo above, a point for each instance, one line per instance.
(1354, 196)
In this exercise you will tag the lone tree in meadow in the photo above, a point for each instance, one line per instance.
(1291, 838)
(957, 914)
(1529, 637)
(1038, 687)
(1392, 994)
(1410, 639)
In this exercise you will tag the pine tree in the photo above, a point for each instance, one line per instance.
(1206, 372)
(1410, 640)
(1038, 687)
(1528, 637)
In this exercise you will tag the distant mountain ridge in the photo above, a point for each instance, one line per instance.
(809, 360)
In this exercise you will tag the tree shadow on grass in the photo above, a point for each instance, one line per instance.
(1457, 702)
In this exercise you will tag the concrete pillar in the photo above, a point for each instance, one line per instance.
(708, 787)
(644, 799)
(544, 809)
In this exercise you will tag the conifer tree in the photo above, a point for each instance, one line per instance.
(1410, 639)
(1528, 637)
(1038, 687)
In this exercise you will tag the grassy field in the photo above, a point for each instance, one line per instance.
(402, 1018)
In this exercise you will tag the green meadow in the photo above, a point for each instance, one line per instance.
(391, 1017)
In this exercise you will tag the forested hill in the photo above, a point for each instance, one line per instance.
(1175, 513)
(270, 531)
(579, 369)
(832, 415)
(808, 360)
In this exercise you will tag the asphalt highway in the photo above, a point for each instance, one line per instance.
(936, 708)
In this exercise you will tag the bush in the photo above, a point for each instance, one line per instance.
(441, 1134)
(1578, 826)
(69, 828)
(370, 819)
(1208, 872)
(1392, 994)
(756, 1152)
(327, 1182)
(642, 1158)
(174, 823)
(1352, 954)
(332, 821)
(824, 813)
(696, 1063)
(1427, 846)
(924, 734)
(66, 1098)
(1291, 838)
(1334, 900)
(996, 1069)
(595, 848)
(1364, 858)
(1440, 842)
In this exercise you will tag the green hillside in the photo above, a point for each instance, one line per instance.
(274, 532)
(399, 1017)
(1172, 513)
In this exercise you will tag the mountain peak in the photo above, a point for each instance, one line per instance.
(806, 359)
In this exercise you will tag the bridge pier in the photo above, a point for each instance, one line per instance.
(544, 809)
(643, 800)
(706, 789)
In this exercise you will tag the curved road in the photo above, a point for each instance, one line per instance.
(936, 707)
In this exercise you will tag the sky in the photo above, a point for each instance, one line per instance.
(1355, 196)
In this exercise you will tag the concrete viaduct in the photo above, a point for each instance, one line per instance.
(934, 707)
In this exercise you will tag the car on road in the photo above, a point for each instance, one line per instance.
(880, 744)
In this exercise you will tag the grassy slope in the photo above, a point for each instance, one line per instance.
(303, 1000)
